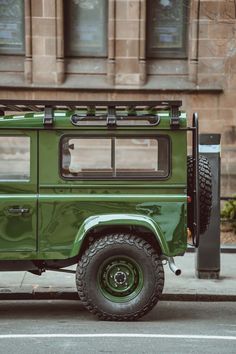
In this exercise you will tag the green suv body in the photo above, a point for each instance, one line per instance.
(103, 186)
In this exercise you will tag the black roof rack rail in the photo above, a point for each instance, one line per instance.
(131, 108)
(38, 105)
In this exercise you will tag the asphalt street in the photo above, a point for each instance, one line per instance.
(55, 326)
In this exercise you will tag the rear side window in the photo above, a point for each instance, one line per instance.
(115, 157)
(14, 158)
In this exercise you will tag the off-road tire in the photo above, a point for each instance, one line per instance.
(90, 273)
(205, 192)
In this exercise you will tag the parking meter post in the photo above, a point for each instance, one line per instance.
(207, 256)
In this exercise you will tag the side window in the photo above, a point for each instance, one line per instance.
(85, 28)
(167, 28)
(12, 27)
(115, 157)
(14, 158)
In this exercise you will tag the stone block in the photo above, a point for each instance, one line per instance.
(211, 81)
(210, 126)
(226, 115)
(200, 101)
(38, 45)
(43, 77)
(121, 9)
(37, 8)
(209, 10)
(203, 29)
(44, 27)
(127, 48)
(227, 10)
(227, 100)
(44, 70)
(126, 66)
(212, 48)
(127, 79)
(209, 115)
(211, 66)
(231, 60)
(49, 8)
(229, 133)
(127, 29)
(133, 9)
(232, 81)
(221, 30)
(167, 67)
(50, 46)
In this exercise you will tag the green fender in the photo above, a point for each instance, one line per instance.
(118, 219)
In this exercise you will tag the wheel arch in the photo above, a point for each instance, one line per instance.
(141, 225)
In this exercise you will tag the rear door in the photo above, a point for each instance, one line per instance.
(18, 191)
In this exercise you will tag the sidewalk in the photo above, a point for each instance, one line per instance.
(186, 287)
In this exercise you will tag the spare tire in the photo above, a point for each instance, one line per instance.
(205, 193)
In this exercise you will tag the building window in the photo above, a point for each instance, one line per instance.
(14, 158)
(114, 157)
(12, 27)
(85, 28)
(167, 28)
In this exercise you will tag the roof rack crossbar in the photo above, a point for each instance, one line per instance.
(90, 110)
(39, 105)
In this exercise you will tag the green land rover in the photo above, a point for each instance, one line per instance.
(107, 186)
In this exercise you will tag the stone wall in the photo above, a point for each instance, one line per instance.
(206, 81)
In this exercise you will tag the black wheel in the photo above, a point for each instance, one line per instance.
(120, 277)
(205, 192)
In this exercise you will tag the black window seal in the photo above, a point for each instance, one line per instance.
(116, 178)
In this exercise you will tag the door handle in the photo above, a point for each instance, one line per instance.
(18, 211)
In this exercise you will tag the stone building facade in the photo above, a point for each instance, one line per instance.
(198, 67)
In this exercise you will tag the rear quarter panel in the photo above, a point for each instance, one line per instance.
(65, 205)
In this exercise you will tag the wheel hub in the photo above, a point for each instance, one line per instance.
(120, 278)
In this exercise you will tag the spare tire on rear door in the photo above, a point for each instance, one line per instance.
(205, 192)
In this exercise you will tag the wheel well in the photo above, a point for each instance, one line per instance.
(98, 232)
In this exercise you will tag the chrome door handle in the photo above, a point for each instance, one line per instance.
(18, 211)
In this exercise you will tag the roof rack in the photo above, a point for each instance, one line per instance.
(116, 111)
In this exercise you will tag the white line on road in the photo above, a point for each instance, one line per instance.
(116, 335)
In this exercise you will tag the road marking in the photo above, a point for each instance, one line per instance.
(116, 335)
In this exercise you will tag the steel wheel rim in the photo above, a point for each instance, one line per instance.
(120, 279)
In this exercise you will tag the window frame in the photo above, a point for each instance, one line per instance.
(167, 53)
(21, 52)
(69, 54)
(115, 178)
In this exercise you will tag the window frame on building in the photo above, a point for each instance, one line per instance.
(69, 34)
(178, 52)
(17, 27)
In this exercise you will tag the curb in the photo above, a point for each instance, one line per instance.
(7, 294)
(199, 297)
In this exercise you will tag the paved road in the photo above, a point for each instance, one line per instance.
(65, 327)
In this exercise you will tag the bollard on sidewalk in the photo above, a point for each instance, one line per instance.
(207, 258)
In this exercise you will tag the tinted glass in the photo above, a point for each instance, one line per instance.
(167, 26)
(85, 27)
(86, 156)
(115, 157)
(12, 26)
